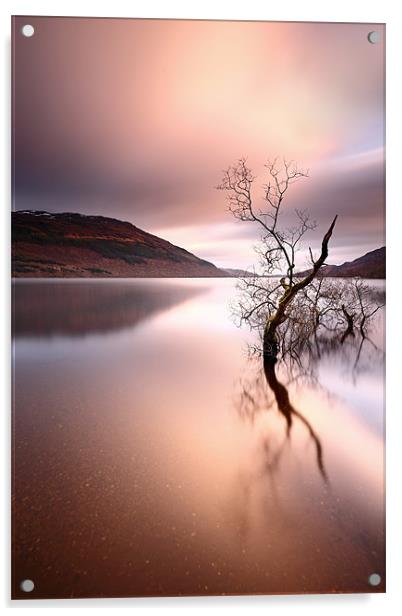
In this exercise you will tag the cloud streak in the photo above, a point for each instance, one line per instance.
(134, 119)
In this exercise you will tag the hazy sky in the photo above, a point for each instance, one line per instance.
(135, 119)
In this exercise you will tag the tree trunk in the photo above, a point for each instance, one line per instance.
(350, 321)
(270, 342)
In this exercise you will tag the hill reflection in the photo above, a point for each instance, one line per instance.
(74, 308)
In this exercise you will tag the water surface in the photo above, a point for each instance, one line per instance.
(151, 458)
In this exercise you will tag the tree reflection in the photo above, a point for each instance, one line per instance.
(286, 408)
(274, 384)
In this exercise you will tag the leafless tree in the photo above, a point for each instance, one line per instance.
(263, 298)
(361, 302)
(300, 316)
(293, 312)
(322, 316)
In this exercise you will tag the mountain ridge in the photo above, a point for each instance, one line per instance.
(69, 244)
(369, 265)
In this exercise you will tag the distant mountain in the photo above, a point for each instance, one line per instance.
(73, 245)
(238, 272)
(370, 265)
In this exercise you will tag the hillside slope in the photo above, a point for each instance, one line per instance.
(74, 245)
(370, 265)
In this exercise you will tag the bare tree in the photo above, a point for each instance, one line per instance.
(262, 298)
(361, 302)
(321, 317)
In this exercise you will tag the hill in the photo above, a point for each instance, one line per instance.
(239, 273)
(370, 265)
(70, 245)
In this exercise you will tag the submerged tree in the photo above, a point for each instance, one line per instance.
(263, 298)
(292, 311)
(302, 317)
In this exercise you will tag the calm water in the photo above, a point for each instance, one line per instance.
(150, 456)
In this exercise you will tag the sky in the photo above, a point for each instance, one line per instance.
(136, 119)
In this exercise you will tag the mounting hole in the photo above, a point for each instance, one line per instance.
(28, 30)
(27, 585)
(374, 579)
(373, 37)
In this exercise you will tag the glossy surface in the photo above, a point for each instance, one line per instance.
(151, 457)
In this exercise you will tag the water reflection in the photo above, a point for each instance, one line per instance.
(133, 475)
(287, 409)
(265, 392)
(81, 307)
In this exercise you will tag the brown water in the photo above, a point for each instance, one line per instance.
(150, 456)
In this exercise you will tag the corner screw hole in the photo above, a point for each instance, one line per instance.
(28, 30)
(374, 579)
(27, 585)
(373, 37)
